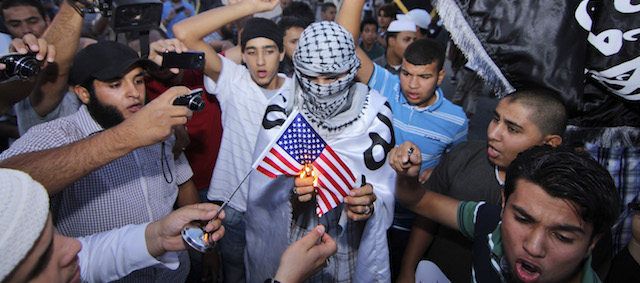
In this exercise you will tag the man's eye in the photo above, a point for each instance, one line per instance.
(114, 85)
(520, 219)
(563, 238)
(513, 130)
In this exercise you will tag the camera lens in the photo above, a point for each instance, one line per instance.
(26, 67)
(19, 65)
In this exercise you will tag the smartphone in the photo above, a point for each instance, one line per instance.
(180, 9)
(184, 60)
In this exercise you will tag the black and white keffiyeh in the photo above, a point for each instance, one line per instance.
(325, 49)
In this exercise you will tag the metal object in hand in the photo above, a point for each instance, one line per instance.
(195, 235)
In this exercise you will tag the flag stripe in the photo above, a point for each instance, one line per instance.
(334, 169)
(284, 160)
(334, 197)
(266, 172)
(343, 187)
(337, 159)
(326, 175)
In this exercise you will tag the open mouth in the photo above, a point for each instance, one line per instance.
(261, 74)
(134, 108)
(493, 153)
(526, 271)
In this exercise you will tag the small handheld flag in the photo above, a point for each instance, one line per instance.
(297, 145)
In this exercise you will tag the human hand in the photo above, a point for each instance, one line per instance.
(260, 5)
(44, 52)
(158, 48)
(360, 203)
(405, 163)
(182, 140)
(306, 256)
(154, 122)
(304, 187)
(424, 175)
(165, 234)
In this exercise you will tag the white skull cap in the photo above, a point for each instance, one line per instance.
(24, 209)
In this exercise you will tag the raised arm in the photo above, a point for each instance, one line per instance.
(64, 34)
(349, 18)
(192, 30)
(152, 124)
(411, 193)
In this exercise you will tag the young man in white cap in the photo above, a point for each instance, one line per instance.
(399, 35)
(33, 251)
(356, 123)
(243, 93)
(421, 18)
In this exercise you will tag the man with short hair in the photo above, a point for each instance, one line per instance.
(400, 35)
(556, 205)
(292, 27)
(141, 182)
(243, 94)
(24, 16)
(368, 36)
(328, 11)
(386, 14)
(475, 171)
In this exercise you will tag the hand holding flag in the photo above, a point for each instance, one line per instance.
(297, 145)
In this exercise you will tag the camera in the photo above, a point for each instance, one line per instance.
(19, 65)
(193, 100)
(136, 15)
(127, 15)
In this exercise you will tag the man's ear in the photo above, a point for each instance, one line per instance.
(592, 245)
(391, 41)
(441, 76)
(82, 93)
(282, 54)
(47, 20)
(553, 140)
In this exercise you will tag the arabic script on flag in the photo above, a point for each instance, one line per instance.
(299, 144)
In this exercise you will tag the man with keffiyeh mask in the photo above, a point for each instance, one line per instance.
(356, 123)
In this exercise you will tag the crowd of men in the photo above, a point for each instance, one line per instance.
(105, 171)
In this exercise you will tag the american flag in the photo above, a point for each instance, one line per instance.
(299, 144)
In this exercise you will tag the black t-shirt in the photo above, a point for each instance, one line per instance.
(465, 174)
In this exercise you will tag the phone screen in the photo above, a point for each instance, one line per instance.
(185, 60)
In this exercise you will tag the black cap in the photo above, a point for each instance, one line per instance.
(259, 27)
(105, 60)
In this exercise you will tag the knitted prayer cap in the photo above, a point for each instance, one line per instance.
(260, 27)
(24, 209)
